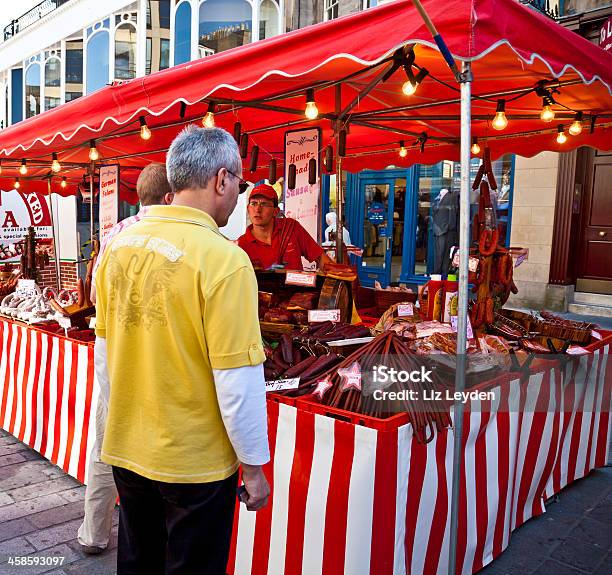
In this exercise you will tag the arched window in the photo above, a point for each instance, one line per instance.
(158, 36)
(53, 69)
(32, 90)
(182, 33)
(97, 61)
(268, 19)
(74, 69)
(224, 24)
(125, 52)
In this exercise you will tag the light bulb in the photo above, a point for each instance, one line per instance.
(311, 112)
(475, 147)
(145, 133)
(403, 152)
(409, 88)
(93, 151)
(17, 185)
(55, 165)
(576, 128)
(500, 121)
(23, 169)
(209, 120)
(561, 137)
(547, 114)
(63, 183)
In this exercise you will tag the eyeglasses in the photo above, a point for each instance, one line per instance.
(261, 204)
(242, 183)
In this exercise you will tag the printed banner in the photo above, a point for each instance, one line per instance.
(302, 203)
(109, 198)
(19, 211)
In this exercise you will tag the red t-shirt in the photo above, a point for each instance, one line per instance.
(263, 255)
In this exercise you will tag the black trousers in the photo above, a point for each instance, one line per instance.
(173, 528)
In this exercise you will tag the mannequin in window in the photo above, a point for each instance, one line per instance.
(444, 210)
(330, 231)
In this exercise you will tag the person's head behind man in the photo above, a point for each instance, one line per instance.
(263, 205)
(205, 171)
(152, 187)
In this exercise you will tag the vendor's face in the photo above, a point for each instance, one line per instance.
(261, 210)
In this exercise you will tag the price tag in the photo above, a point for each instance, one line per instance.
(282, 384)
(64, 322)
(26, 287)
(317, 315)
(405, 310)
(92, 323)
(519, 255)
(454, 319)
(596, 334)
(576, 350)
(301, 279)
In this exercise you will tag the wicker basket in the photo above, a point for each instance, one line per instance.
(385, 299)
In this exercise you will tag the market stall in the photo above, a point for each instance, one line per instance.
(357, 488)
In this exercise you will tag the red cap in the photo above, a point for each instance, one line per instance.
(265, 191)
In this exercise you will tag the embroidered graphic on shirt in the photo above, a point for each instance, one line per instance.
(142, 285)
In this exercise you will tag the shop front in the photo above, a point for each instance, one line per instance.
(406, 225)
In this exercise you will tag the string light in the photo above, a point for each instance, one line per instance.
(547, 114)
(23, 169)
(403, 151)
(55, 165)
(500, 121)
(209, 119)
(475, 147)
(409, 87)
(576, 127)
(145, 132)
(93, 151)
(17, 185)
(63, 183)
(311, 111)
(561, 137)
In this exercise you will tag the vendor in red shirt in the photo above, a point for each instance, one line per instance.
(270, 240)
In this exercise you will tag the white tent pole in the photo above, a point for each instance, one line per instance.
(58, 268)
(464, 233)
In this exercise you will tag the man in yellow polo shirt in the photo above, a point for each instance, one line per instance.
(177, 323)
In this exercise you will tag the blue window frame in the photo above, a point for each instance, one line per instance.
(182, 33)
(16, 95)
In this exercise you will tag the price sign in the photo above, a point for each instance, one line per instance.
(453, 321)
(301, 279)
(317, 315)
(26, 287)
(405, 310)
(595, 334)
(64, 322)
(282, 384)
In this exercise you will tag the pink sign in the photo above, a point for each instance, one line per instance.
(605, 35)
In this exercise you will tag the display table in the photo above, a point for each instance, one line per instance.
(351, 494)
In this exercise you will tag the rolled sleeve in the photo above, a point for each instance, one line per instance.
(231, 322)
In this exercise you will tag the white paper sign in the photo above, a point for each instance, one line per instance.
(109, 198)
(302, 203)
(301, 279)
(317, 315)
(596, 334)
(26, 287)
(64, 322)
(453, 322)
(405, 310)
(282, 384)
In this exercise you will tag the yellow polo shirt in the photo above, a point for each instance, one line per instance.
(175, 301)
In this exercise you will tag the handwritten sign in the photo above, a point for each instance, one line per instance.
(27, 288)
(317, 315)
(405, 310)
(109, 198)
(453, 321)
(301, 279)
(282, 384)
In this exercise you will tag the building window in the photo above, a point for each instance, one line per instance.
(182, 33)
(72, 96)
(32, 90)
(74, 69)
(16, 95)
(224, 24)
(268, 19)
(125, 52)
(52, 83)
(97, 61)
(158, 36)
(331, 9)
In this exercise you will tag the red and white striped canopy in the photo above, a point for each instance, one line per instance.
(262, 85)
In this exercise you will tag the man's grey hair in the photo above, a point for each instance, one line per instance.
(197, 154)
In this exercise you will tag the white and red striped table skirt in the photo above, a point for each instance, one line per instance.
(348, 498)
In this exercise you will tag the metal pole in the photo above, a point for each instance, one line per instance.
(58, 267)
(339, 198)
(92, 170)
(464, 231)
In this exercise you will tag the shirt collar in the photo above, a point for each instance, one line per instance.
(182, 213)
(249, 231)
